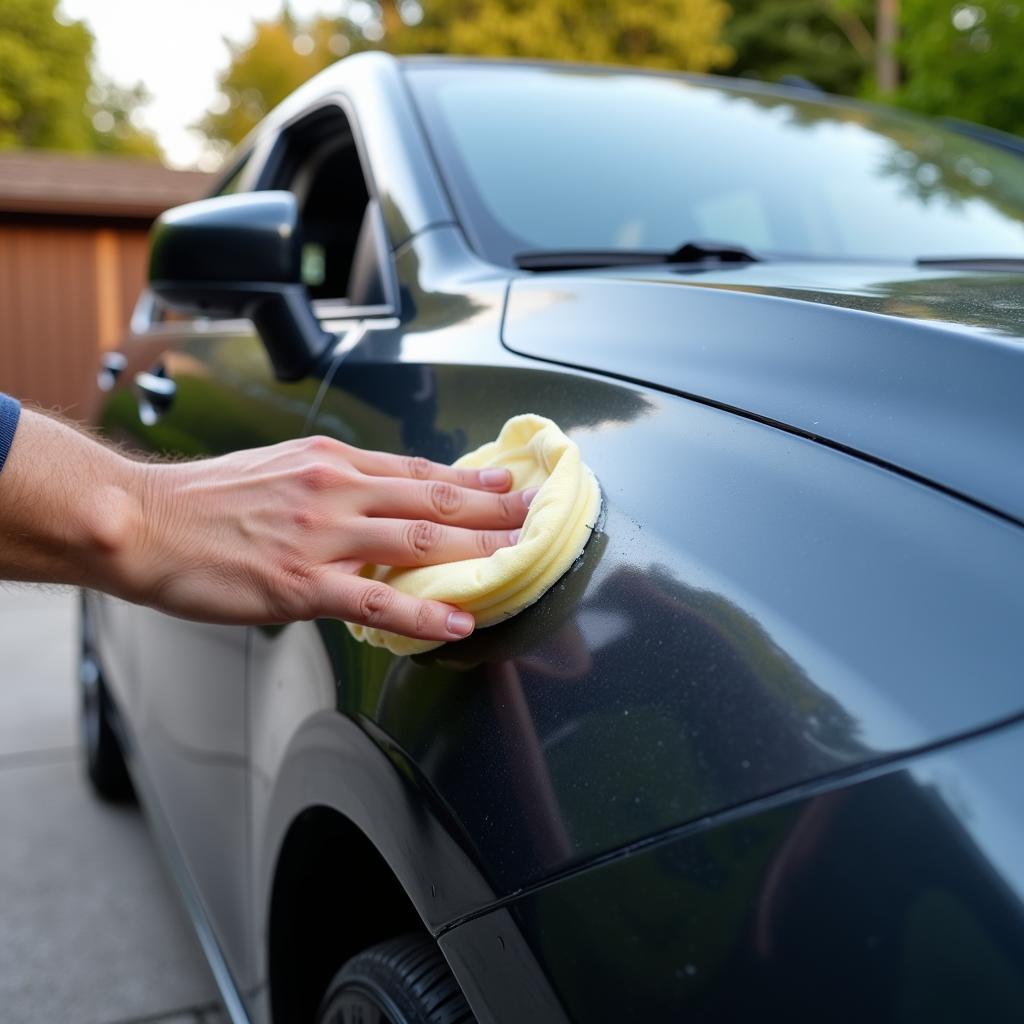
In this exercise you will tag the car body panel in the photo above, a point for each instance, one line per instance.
(896, 895)
(185, 701)
(702, 653)
(758, 612)
(917, 369)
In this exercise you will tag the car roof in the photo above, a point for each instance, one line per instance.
(749, 86)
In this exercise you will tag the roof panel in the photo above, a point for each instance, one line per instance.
(90, 185)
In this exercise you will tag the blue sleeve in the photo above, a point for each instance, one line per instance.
(10, 410)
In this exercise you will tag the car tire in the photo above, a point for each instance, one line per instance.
(402, 981)
(104, 759)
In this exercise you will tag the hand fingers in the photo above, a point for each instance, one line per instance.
(375, 604)
(415, 468)
(447, 503)
(406, 542)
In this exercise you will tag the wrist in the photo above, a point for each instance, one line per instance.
(112, 527)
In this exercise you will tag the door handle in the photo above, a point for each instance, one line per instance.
(157, 394)
(112, 365)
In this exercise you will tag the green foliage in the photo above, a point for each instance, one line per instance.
(964, 60)
(956, 59)
(44, 73)
(45, 79)
(959, 59)
(828, 43)
(113, 111)
(282, 53)
(274, 62)
(681, 34)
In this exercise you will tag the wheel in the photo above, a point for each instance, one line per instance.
(402, 981)
(104, 759)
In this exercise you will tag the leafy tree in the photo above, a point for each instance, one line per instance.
(964, 60)
(282, 53)
(828, 42)
(115, 123)
(45, 79)
(957, 59)
(44, 73)
(681, 34)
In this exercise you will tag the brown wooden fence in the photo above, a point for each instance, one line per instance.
(73, 253)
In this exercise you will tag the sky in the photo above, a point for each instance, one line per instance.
(176, 50)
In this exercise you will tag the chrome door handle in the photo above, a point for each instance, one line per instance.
(112, 365)
(157, 395)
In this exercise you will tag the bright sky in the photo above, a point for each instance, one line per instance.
(176, 49)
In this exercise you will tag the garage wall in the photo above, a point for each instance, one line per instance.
(66, 293)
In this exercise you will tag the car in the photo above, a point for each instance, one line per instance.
(757, 755)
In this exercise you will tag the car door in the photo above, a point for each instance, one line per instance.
(199, 388)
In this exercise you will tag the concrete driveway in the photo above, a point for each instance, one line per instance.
(91, 931)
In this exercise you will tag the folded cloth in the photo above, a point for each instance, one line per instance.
(558, 525)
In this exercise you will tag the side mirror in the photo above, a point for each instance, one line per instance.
(240, 256)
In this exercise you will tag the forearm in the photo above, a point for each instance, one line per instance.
(70, 507)
(273, 534)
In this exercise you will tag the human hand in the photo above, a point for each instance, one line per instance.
(280, 534)
(268, 535)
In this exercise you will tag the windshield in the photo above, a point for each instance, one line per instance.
(543, 158)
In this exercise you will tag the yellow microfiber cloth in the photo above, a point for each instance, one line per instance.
(558, 525)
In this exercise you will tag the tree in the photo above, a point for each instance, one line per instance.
(44, 73)
(964, 60)
(274, 62)
(282, 53)
(47, 95)
(114, 112)
(678, 34)
(828, 42)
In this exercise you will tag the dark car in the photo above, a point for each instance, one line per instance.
(758, 755)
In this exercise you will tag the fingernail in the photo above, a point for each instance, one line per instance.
(494, 477)
(460, 623)
(529, 494)
(514, 536)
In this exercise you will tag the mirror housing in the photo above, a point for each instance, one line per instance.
(241, 256)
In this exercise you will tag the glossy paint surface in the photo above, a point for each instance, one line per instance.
(185, 697)
(758, 612)
(919, 369)
(246, 237)
(896, 897)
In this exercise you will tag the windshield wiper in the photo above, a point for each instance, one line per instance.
(973, 262)
(709, 253)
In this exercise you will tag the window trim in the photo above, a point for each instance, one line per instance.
(242, 166)
(270, 169)
(259, 164)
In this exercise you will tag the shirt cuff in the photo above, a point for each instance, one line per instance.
(10, 411)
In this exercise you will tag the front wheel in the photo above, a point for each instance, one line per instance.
(402, 981)
(104, 760)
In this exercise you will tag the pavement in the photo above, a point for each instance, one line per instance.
(91, 930)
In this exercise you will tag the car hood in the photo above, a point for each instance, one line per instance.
(921, 370)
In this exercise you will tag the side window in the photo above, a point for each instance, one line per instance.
(344, 251)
